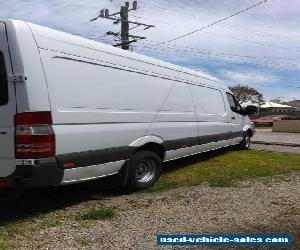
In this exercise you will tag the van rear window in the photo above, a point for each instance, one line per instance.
(3, 82)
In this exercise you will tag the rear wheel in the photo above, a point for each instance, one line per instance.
(246, 142)
(144, 170)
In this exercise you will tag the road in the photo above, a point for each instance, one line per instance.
(266, 135)
(266, 140)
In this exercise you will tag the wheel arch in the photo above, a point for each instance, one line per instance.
(248, 129)
(150, 143)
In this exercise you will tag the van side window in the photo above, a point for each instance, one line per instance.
(233, 103)
(3, 82)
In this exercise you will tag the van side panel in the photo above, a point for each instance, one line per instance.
(32, 95)
(176, 121)
(68, 44)
(121, 94)
(98, 105)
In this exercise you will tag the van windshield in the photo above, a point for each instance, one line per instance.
(3, 82)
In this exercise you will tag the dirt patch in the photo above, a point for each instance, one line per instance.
(259, 206)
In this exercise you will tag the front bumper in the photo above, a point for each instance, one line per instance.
(253, 128)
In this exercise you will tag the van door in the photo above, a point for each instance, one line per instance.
(7, 108)
(213, 128)
(235, 119)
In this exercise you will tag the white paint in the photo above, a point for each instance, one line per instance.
(92, 172)
(185, 152)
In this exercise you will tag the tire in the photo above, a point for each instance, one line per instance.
(144, 169)
(246, 142)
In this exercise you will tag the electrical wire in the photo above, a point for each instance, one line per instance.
(215, 22)
(180, 53)
(218, 53)
(213, 33)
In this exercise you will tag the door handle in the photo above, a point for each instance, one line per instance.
(3, 132)
(233, 118)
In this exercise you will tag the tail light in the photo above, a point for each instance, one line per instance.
(35, 138)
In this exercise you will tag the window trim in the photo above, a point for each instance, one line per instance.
(235, 102)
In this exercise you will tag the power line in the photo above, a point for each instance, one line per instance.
(192, 17)
(217, 54)
(243, 28)
(216, 22)
(189, 52)
(231, 57)
(174, 52)
(242, 74)
(226, 36)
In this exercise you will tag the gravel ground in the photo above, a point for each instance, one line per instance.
(263, 205)
(275, 148)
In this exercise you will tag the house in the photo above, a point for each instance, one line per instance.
(272, 108)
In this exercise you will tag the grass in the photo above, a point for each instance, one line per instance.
(225, 169)
(102, 213)
(264, 125)
(84, 242)
(98, 197)
(221, 169)
(4, 246)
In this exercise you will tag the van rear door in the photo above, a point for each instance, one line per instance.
(7, 108)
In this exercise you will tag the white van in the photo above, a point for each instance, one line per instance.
(73, 110)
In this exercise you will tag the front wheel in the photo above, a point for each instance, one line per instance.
(144, 170)
(246, 142)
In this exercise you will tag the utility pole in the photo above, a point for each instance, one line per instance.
(125, 26)
(124, 35)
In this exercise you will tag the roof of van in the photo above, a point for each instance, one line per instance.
(95, 45)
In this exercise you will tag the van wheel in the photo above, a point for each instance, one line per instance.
(144, 170)
(246, 142)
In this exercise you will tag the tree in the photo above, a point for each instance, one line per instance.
(247, 94)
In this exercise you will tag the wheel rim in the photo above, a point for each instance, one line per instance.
(145, 170)
(247, 141)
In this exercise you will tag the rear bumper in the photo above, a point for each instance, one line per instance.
(43, 173)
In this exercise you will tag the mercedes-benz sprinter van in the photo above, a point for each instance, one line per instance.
(74, 110)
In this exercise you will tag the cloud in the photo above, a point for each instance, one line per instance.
(253, 47)
(249, 78)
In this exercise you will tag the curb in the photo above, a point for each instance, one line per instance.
(277, 144)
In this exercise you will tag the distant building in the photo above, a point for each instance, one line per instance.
(277, 108)
(294, 103)
(272, 108)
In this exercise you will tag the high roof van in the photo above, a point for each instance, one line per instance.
(74, 110)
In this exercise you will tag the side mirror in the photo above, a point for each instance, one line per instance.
(250, 110)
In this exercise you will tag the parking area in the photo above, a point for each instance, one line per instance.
(267, 136)
(266, 140)
(275, 148)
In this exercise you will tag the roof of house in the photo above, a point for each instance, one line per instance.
(266, 105)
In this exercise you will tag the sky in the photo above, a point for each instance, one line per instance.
(259, 48)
